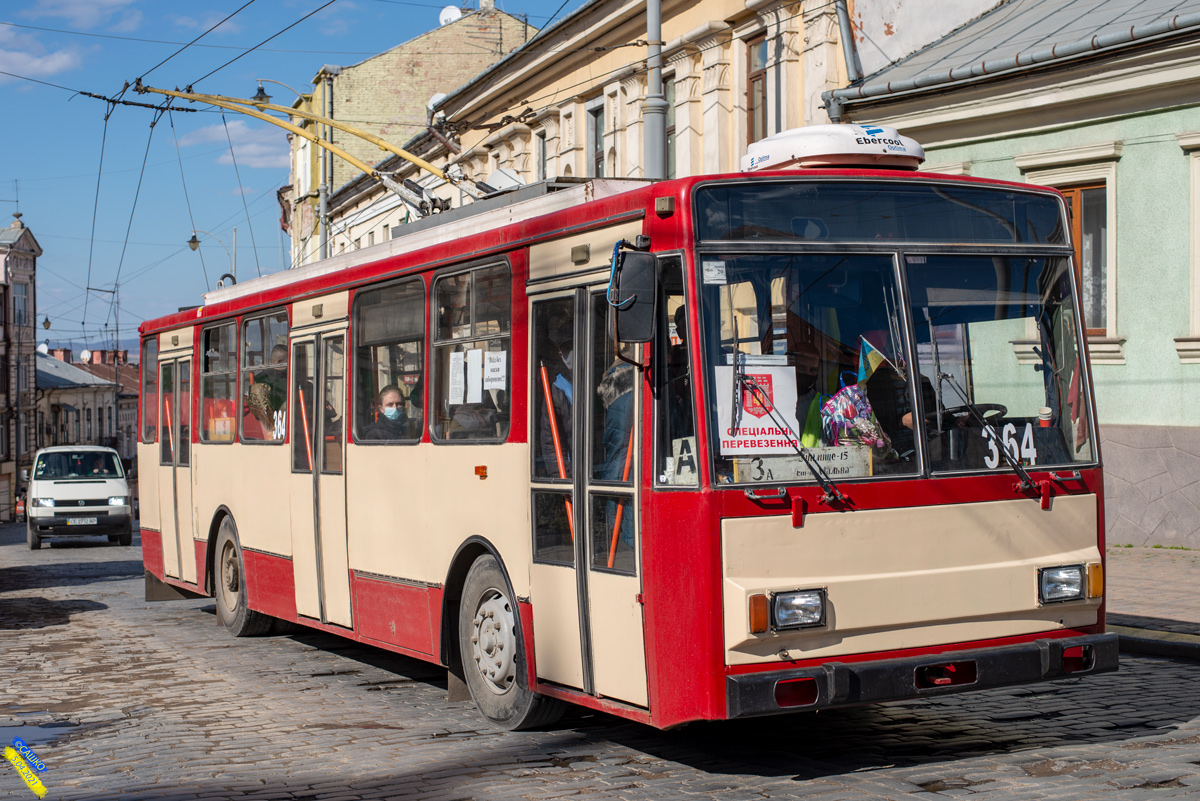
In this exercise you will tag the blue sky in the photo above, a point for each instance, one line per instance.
(52, 139)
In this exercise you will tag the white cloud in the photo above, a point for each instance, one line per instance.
(203, 24)
(83, 14)
(130, 21)
(23, 54)
(254, 146)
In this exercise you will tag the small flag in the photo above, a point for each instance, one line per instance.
(869, 359)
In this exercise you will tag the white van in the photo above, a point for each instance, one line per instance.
(78, 491)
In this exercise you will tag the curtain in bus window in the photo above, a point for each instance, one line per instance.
(149, 391)
(967, 313)
(389, 363)
(218, 378)
(472, 355)
(806, 350)
(264, 378)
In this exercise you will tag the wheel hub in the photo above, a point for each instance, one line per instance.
(494, 642)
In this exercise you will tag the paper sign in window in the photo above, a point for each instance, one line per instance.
(495, 370)
(458, 382)
(474, 376)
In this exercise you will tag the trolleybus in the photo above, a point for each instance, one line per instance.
(815, 434)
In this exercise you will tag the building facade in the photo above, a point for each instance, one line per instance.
(74, 407)
(18, 310)
(112, 367)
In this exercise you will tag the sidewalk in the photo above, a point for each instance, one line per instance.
(1154, 600)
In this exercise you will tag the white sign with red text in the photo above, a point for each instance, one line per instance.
(762, 409)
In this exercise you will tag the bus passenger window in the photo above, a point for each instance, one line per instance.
(149, 390)
(553, 387)
(218, 377)
(389, 389)
(676, 458)
(264, 378)
(472, 354)
(185, 412)
(303, 376)
(166, 447)
(333, 371)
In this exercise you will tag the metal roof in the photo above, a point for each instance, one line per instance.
(55, 374)
(1021, 35)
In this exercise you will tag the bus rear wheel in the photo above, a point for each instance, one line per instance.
(493, 655)
(230, 586)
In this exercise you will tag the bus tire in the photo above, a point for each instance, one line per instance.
(32, 537)
(229, 586)
(126, 536)
(493, 654)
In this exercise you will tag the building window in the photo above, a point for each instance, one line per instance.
(756, 89)
(3, 304)
(472, 355)
(595, 138)
(87, 415)
(4, 375)
(20, 304)
(386, 231)
(1087, 210)
(108, 427)
(1087, 177)
(669, 96)
(370, 238)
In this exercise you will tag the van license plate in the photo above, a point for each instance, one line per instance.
(81, 521)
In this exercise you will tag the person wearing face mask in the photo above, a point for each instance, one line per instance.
(391, 421)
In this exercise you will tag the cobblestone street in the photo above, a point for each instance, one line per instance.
(125, 699)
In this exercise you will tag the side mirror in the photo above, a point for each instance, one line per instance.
(636, 290)
(24, 475)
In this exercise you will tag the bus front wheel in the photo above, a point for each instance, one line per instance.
(493, 655)
(230, 586)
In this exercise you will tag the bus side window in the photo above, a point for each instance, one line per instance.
(218, 380)
(389, 380)
(264, 378)
(472, 355)
(149, 391)
(676, 457)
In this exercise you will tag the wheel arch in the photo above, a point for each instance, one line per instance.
(456, 576)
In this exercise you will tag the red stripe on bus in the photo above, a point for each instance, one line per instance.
(270, 584)
(152, 552)
(394, 613)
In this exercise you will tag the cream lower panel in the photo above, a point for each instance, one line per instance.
(149, 509)
(172, 546)
(409, 508)
(556, 647)
(906, 578)
(187, 522)
(618, 642)
(252, 482)
(304, 543)
(335, 572)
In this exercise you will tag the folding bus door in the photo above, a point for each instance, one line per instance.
(586, 435)
(175, 472)
(318, 480)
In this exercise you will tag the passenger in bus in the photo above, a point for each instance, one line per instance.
(615, 393)
(390, 420)
(561, 390)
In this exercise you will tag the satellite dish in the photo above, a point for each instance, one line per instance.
(84, 355)
(449, 14)
(433, 101)
(43, 348)
(504, 179)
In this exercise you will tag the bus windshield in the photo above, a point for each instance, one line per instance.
(811, 351)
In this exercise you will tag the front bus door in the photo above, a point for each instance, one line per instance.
(175, 472)
(318, 483)
(588, 625)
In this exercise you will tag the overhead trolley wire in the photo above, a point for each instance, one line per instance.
(96, 208)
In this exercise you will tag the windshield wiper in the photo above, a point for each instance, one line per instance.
(1026, 481)
(831, 491)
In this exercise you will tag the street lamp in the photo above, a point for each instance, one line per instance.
(261, 95)
(194, 244)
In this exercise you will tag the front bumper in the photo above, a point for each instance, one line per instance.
(838, 684)
(61, 525)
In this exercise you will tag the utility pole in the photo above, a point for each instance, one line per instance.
(654, 109)
(116, 293)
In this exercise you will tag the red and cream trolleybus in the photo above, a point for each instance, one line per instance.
(815, 434)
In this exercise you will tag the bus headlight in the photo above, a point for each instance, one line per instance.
(118, 500)
(798, 609)
(1060, 584)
